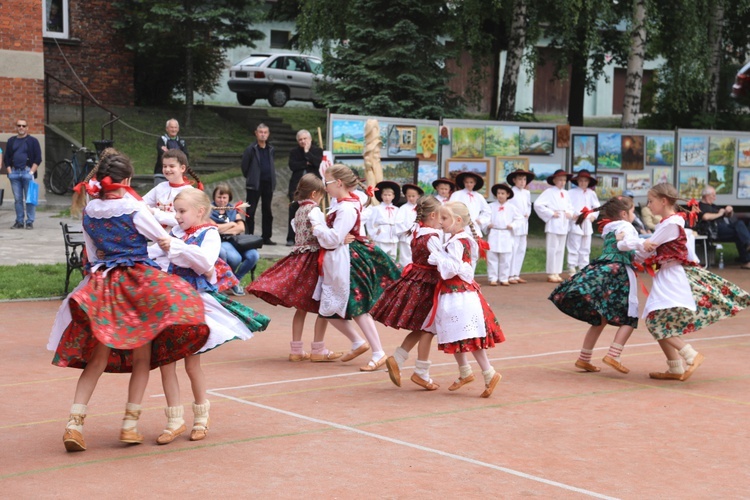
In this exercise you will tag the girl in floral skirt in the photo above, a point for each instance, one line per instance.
(604, 292)
(192, 254)
(684, 297)
(353, 276)
(291, 281)
(126, 315)
(463, 320)
(407, 302)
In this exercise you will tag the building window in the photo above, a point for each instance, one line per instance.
(280, 39)
(55, 16)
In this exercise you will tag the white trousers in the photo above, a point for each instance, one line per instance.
(498, 266)
(555, 252)
(517, 255)
(390, 248)
(404, 253)
(579, 250)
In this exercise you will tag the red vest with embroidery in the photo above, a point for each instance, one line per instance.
(672, 250)
(456, 284)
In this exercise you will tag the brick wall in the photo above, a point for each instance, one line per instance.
(97, 53)
(24, 100)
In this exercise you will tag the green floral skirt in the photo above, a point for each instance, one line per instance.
(372, 271)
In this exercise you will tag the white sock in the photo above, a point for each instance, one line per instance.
(422, 369)
(464, 371)
(675, 366)
(129, 422)
(688, 353)
(356, 345)
(488, 374)
(376, 355)
(77, 410)
(174, 417)
(401, 355)
(200, 413)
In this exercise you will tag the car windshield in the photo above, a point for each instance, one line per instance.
(315, 66)
(252, 61)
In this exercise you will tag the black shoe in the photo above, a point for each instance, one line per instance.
(29, 225)
(268, 242)
(17, 225)
(290, 243)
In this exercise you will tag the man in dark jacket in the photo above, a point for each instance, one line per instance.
(728, 226)
(258, 169)
(22, 156)
(170, 140)
(304, 159)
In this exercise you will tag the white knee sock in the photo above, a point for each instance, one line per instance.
(422, 369)
(488, 374)
(401, 356)
(77, 414)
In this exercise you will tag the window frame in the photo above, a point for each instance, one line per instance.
(65, 11)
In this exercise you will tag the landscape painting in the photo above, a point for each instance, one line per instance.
(722, 151)
(454, 166)
(401, 170)
(692, 181)
(632, 152)
(542, 171)
(348, 136)
(467, 142)
(502, 140)
(609, 185)
(721, 177)
(743, 154)
(536, 141)
(663, 175)
(356, 163)
(638, 183)
(609, 151)
(428, 173)
(504, 165)
(693, 151)
(659, 151)
(584, 153)
(743, 185)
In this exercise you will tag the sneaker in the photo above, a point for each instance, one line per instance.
(29, 225)
(17, 225)
(238, 290)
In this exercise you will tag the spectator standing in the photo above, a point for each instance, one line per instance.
(22, 156)
(729, 227)
(304, 159)
(258, 169)
(170, 140)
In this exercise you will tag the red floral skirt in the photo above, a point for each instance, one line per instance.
(492, 327)
(128, 308)
(407, 302)
(290, 282)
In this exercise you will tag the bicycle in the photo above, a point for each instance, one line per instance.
(65, 174)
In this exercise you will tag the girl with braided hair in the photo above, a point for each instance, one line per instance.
(462, 318)
(126, 316)
(604, 292)
(684, 297)
(161, 197)
(407, 302)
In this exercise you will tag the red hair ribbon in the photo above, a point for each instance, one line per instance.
(92, 187)
(200, 186)
(639, 268)
(483, 248)
(692, 217)
(370, 191)
(108, 185)
(603, 223)
(237, 206)
(586, 212)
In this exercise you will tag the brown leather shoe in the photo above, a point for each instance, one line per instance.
(666, 376)
(73, 440)
(615, 364)
(460, 382)
(521, 281)
(199, 432)
(554, 279)
(299, 357)
(430, 386)
(356, 352)
(491, 386)
(131, 436)
(493, 283)
(513, 281)
(504, 283)
(169, 435)
(587, 366)
(691, 368)
(329, 356)
(393, 371)
(374, 365)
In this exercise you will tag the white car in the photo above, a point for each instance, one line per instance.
(276, 77)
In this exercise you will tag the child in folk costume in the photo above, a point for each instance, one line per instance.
(408, 301)
(291, 281)
(604, 292)
(405, 219)
(353, 276)
(463, 320)
(443, 189)
(126, 315)
(684, 297)
(161, 197)
(191, 254)
(381, 226)
(579, 237)
(469, 184)
(521, 199)
(554, 208)
(504, 219)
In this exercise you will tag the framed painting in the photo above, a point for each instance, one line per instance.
(693, 151)
(610, 185)
(632, 152)
(454, 166)
(542, 171)
(722, 151)
(348, 136)
(401, 170)
(743, 153)
(536, 141)
(743, 185)
(638, 183)
(504, 165)
(721, 178)
(402, 141)
(692, 181)
(584, 153)
(427, 143)
(467, 142)
(609, 151)
(501, 140)
(428, 173)
(355, 162)
(662, 175)
(659, 151)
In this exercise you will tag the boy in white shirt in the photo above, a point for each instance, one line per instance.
(521, 199)
(579, 237)
(381, 226)
(443, 189)
(405, 219)
(554, 208)
(469, 183)
(504, 219)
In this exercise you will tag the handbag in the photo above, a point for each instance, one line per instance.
(244, 242)
(710, 229)
(32, 195)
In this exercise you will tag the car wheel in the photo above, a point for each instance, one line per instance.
(245, 100)
(318, 104)
(278, 97)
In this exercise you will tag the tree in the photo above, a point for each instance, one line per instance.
(199, 31)
(634, 79)
(516, 46)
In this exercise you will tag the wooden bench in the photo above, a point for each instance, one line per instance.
(74, 245)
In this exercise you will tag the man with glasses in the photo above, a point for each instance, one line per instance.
(22, 156)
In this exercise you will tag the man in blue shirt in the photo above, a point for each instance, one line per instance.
(259, 170)
(22, 156)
